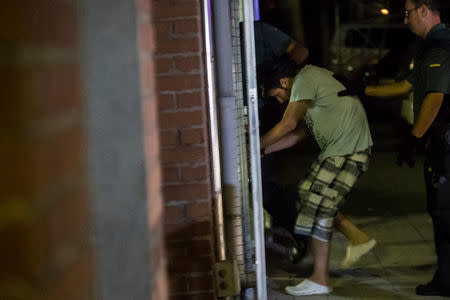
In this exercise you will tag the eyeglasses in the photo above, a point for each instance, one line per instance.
(408, 11)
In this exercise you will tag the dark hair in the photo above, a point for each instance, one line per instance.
(282, 67)
(434, 5)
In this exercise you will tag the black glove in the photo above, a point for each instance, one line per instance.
(358, 90)
(351, 89)
(408, 148)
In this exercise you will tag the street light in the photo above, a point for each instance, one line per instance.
(384, 11)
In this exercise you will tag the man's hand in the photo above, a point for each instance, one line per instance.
(408, 148)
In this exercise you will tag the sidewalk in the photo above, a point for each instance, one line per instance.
(403, 258)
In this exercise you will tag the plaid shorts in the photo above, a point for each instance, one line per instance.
(323, 191)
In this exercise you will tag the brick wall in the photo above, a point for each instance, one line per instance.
(146, 46)
(44, 204)
(181, 87)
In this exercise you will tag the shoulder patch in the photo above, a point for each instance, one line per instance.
(435, 65)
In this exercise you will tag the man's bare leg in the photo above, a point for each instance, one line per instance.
(321, 252)
(349, 230)
(359, 242)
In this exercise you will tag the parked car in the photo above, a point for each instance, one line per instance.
(375, 53)
(357, 48)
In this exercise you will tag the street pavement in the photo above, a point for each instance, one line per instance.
(389, 205)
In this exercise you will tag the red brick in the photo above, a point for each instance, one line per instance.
(174, 213)
(194, 296)
(171, 174)
(184, 155)
(190, 265)
(160, 289)
(187, 231)
(65, 154)
(18, 180)
(199, 210)
(199, 248)
(178, 82)
(190, 248)
(193, 173)
(39, 92)
(175, 250)
(188, 64)
(18, 92)
(151, 139)
(74, 282)
(169, 137)
(166, 101)
(164, 65)
(170, 120)
(186, 26)
(178, 46)
(149, 106)
(29, 248)
(192, 136)
(201, 283)
(143, 6)
(154, 179)
(22, 254)
(154, 202)
(67, 222)
(164, 30)
(56, 89)
(189, 100)
(157, 258)
(146, 37)
(43, 22)
(147, 79)
(35, 167)
(171, 10)
(186, 192)
(178, 284)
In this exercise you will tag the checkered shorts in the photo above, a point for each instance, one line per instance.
(323, 191)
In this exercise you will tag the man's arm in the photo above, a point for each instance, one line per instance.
(294, 112)
(428, 112)
(289, 140)
(389, 90)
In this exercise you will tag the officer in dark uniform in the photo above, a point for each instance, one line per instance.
(278, 200)
(430, 82)
(270, 44)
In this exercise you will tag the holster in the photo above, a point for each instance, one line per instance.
(440, 138)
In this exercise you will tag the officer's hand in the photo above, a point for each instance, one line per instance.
(359, 91)
(352, 88)
(408, 148)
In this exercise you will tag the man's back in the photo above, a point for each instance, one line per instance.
(339, 124)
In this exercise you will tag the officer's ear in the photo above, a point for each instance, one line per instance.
(424, 10)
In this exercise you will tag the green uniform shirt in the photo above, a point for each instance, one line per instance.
(431, 71)
(270, 42)
(339, 124)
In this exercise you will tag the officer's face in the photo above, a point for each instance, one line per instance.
(412, 17)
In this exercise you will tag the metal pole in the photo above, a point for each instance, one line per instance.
(255, 149)
(218, 207)
(228, 115)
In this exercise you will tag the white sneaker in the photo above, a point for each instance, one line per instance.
(308, 287)
(354, 253)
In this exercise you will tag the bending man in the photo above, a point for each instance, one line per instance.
(340, 127)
